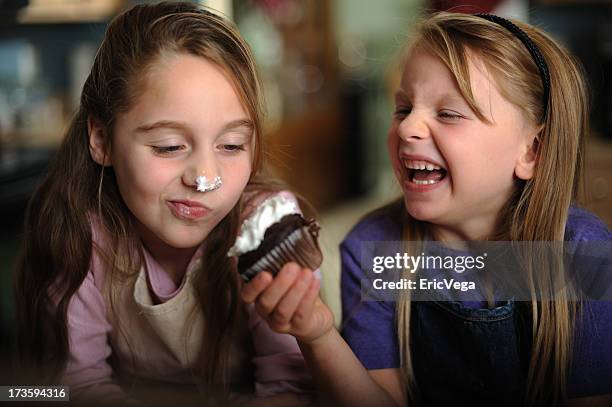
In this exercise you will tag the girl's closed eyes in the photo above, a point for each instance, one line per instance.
(401, 112)
(450, 116)
(229, 149)
(168, 150)
(232, 148)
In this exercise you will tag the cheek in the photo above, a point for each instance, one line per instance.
(488, 167)
(501, 158)
(136, 191)
(393, 148)
(236, 174)
(142, 178)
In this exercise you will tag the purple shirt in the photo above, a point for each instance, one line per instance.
(369, 327)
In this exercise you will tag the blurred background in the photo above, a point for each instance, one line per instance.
(328, 68)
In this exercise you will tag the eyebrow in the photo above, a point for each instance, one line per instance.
(451, 97)
(234, 124)
(170, 124)
(162, 124)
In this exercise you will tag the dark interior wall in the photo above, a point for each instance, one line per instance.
(586, 30)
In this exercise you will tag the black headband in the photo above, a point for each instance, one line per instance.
(533, 50)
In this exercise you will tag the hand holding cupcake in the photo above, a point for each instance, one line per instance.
(274, 235)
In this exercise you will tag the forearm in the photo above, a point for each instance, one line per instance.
(339, 376)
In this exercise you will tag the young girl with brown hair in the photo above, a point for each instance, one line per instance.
(125, 281)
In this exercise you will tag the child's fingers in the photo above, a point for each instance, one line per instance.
(253, 288)
(286, 307)
(268, 299)
(305, 307)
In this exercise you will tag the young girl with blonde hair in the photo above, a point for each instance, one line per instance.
(487, 142)
(124, 287)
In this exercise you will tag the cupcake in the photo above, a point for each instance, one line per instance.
(274, 235)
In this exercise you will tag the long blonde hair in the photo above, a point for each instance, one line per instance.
(539, 207)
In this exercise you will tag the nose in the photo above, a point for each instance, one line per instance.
(413, 127)
(203, 164)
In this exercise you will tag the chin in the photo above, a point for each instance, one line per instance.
(422, 211)
(185, 244)
(186, 241)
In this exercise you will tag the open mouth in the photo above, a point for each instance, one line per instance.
(422, 172)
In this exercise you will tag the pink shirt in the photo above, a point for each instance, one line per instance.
(276, 359)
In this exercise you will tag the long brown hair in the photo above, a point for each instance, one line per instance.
(57, 245)
(539, 207)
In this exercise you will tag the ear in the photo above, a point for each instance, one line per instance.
(98, 143)
(525, 165)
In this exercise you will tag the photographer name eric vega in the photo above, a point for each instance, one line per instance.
(424, 284)
(458, 264)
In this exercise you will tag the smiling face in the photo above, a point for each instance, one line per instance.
(456, 170)
(188, 122)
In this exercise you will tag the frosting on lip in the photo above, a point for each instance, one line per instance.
(254, 228)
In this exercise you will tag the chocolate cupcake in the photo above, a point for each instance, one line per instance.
(274, 235)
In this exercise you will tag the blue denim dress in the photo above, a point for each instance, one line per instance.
(469, 354)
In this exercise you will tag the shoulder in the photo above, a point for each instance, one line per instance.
(382, 224)
(583, 225)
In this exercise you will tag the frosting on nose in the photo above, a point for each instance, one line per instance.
(203, 184)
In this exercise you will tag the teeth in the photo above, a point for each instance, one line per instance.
(424, 182)
(420, 165)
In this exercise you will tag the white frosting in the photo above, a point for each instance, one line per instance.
(253, 229)
(204, 186)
